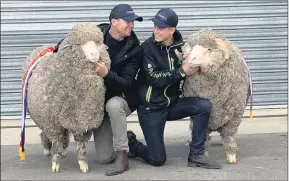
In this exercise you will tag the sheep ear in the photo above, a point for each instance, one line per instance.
(179, 55)
(223, 46)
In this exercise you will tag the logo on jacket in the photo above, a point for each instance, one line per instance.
(150, 67)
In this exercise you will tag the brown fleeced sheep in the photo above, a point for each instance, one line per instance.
(223, 79)
(65, 95)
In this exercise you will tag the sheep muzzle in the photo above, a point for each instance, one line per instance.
(91, 51)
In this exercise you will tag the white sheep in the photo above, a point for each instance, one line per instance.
(223, 79)
(65, 95)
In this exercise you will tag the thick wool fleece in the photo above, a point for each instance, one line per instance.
(64, 91)
(225, 82)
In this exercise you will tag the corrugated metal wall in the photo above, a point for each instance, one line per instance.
(258, 27)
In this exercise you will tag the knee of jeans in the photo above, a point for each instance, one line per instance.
(114, 104)
(206, 105)
(107, 159)
(159, 161)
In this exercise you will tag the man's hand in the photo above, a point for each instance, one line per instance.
(190, 69)
(101, 69)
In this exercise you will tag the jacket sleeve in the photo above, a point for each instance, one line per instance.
(124, 80)
(155, 76)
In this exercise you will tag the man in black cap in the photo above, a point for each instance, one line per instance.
(161, 74)
(124, 49)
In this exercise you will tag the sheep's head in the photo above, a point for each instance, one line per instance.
(88, 38)
(207, 50)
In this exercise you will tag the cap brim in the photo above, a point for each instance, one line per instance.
(159, 23)
(133, 18)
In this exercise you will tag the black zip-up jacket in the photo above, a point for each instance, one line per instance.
(160, 73)
(121, 79)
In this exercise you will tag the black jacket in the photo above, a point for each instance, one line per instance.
(121, 79)
(160, 73)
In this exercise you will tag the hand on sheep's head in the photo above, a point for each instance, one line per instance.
(101, 69)
(190, 69)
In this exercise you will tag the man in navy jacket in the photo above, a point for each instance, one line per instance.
(160, 93)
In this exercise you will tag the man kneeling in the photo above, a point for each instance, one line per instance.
(160, 96)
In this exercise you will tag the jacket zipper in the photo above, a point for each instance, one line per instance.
(171, 65)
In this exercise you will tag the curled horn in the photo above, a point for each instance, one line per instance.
(223, 45)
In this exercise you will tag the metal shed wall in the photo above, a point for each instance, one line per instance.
(259, 28)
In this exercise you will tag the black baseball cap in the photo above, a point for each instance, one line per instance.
(124, 11)
(165, 17)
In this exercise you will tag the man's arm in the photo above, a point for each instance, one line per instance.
(154, 75)
(124, 80)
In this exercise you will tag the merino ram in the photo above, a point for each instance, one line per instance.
(65, 96)
(223, 79)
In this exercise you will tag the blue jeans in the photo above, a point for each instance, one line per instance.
(153, 123)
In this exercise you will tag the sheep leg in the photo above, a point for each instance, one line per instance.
(228, 133)
(47, 144)
(57, 150)
(65, 143)
(208, 142)
(81, 142)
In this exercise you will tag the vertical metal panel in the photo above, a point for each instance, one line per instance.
(259, 28)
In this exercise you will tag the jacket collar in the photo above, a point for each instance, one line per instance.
(131, 42)
(178, 40)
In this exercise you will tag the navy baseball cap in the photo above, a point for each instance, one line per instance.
(124, 11)
(165, 17)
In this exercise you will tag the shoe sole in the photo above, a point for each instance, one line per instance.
(117, 173)
(190, 164)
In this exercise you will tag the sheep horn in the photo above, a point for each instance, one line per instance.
(223, 46)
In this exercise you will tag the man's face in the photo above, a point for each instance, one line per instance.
(123, 27)
(163, 34)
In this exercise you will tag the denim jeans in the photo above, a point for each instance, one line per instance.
(153, 123)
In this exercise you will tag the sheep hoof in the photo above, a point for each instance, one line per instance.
(231, 158)
(55, 167)
(47, 153)
(207, 153)
(83, 166)
(64, 153)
